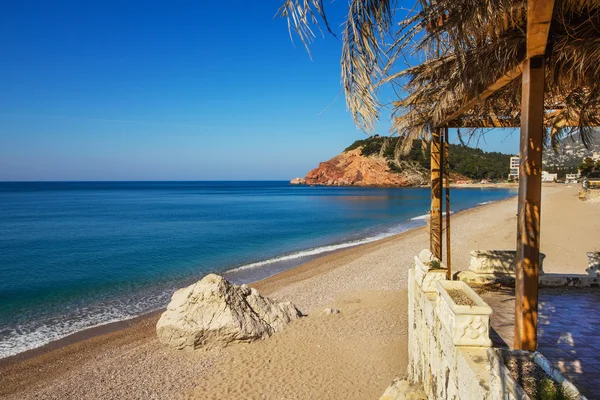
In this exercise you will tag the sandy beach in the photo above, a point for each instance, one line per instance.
(351, 355)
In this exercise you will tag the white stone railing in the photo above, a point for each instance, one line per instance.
(426, 274)
(467, 325)
(497, 267)
(497, 262)
(450, 354)
(447, 346)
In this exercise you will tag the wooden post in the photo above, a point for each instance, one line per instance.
(530, 189)
(447, 181)
(435, 232)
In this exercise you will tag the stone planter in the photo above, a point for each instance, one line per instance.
(425, 275)
(497, 262)
(504, 386)
(593, 268)
(468, 325)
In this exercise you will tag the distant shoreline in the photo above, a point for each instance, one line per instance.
(452, 185)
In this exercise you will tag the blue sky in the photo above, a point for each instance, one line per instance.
(168, 91)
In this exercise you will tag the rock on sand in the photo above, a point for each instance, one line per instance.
(214, 313)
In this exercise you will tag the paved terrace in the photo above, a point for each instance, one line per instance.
(569, 331)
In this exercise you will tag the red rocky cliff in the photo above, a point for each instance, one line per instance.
(351, 168)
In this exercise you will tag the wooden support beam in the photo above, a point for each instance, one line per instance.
(447, 185)
(515, 123)
(539, 17)
(435, 231)
(528, 220)
(490, 90)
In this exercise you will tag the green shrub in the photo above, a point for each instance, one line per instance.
(394, 167)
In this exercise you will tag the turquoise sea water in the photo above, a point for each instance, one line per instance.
(78, 254)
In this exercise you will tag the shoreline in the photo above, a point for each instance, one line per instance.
(19, 341)
(79, 336)
(351, 355)
(476, 185)
(308, 267)
(300, 272)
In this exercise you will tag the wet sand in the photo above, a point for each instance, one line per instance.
(352, 355)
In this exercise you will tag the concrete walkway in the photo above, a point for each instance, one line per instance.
(568, 332)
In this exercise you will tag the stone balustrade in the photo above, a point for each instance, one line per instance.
(428, 270)
(497, 267)
(450, 354)
(497, 262)
(468, 325)
(445, 369)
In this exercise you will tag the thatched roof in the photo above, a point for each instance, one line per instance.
(466, 47)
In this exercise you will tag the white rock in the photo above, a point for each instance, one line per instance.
(402, 389)
(593, 268)
(331, 311)
(298, 181)
(214, 313)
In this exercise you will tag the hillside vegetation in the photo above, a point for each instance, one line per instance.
(470, 162)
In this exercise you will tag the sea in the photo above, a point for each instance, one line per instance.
(75, 255)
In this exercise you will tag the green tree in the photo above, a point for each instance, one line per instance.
(470, 162)
(586, 167)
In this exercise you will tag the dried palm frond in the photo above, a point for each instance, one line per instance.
(301, 16)
(464, 46)
(364, 33)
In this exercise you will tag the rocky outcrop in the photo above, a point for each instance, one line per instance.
(298, 181)
(214, 313)
(351, 168)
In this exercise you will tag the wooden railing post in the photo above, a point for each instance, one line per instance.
(447, 186)
(435, 232)
(530, 188)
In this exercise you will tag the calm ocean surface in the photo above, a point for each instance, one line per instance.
(78, 254)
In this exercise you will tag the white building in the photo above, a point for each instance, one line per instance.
(513, 175)
(571, 178)
(548, 177)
